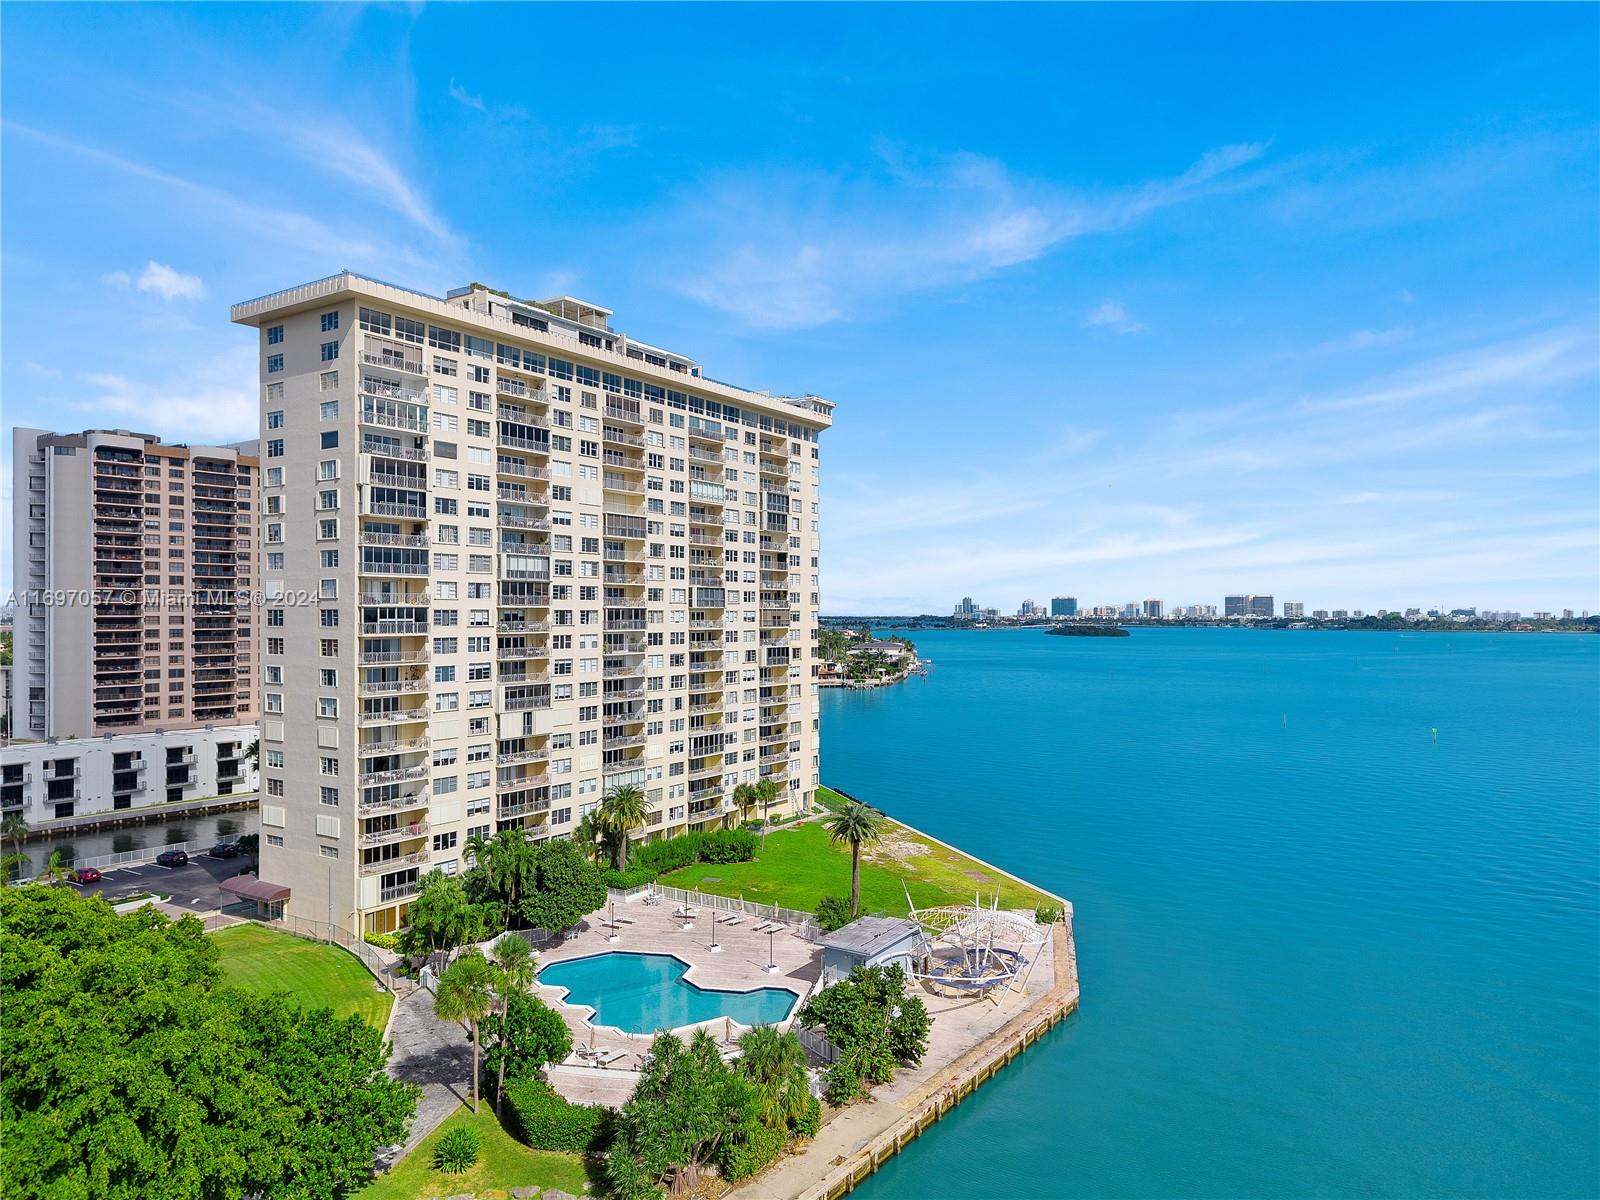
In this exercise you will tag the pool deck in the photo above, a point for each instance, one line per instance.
(740, 966)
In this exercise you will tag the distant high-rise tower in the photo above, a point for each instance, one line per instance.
(1152, 610)
(1064, 606)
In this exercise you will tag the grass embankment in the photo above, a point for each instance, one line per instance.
(799, 865)
(503, 1163)
(315, 974)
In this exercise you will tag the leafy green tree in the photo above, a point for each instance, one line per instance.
(442, 919)
(875, 1024)
(522, 1038)
(466, 993)
(621, 812)
(833, 912)
(511, 864)
(687, 1108)
(567, 886)
(134, 1073)
(858, 825)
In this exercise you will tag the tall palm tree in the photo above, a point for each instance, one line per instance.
(466, 993)
(746, 798)
(859, 825)
(767, 794)
(518, 969)
(511, 866)
(15, 831)
(592, 836)
(480, 850)
(622, 811)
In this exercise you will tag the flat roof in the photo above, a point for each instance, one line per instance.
(866, 936)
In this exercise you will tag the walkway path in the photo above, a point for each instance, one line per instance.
(433, 1053)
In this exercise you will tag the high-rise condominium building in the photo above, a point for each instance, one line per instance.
(1294, 609)
(1064, 606)
(1247, 606)
(519, 559)
(134, 676)
(1152, 610)
(129, 559)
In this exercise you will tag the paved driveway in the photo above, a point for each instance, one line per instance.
(433, 1053)
(192, 887)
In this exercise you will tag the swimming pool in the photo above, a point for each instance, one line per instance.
(644, 993)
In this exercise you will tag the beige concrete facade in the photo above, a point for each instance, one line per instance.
(135, 566)
(513, 558)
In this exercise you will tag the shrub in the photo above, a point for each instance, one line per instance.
(383, 941)
(809, 1122)
(547, 1121)
(729, 846)
(875, 1024)
(456, 1150)
(1047, 914)
(743, 1158)
(833, 912)
(636, 876)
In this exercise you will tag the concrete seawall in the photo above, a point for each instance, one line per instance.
(861, 1138)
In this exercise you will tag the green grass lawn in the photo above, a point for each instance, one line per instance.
(503, 1163)
(799, 865)
(315, 974)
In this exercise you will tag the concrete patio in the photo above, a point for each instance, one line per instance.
(740, 965)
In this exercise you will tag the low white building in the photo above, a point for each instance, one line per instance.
(57, 779)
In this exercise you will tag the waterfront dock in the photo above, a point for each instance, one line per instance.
(971, 1040)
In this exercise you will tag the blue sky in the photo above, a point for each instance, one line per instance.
(1115, 301)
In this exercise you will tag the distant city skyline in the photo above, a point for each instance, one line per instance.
(1122, 324)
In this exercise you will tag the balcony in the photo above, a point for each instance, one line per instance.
(400, 833)
(416, 858)
(395, 803)
(393, 687)
(389, 508)
(387, 450)
(512, 757)
(393, 746)
(398, 892)
(520, 625)
(394, 627)
(368, 537)
(392, 419)
(629, 416)
(624, 623)
(622, 741)
(394, 716)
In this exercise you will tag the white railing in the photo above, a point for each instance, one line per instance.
(801, 924)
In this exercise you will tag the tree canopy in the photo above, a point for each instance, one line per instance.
(133, 1072)
(875, 1024)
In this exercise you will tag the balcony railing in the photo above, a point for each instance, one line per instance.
(401, 833)
(394, 864)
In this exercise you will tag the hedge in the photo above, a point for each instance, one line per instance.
(383, 941)
(744, 1158)
(654, 859)
(547, 1121)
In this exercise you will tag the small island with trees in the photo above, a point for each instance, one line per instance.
(854, 658)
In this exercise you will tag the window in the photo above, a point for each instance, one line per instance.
(275, 448)
(330, 439)
(275, 419)
(274, 363)
(330, 322)
(274, 334)
(330, 351)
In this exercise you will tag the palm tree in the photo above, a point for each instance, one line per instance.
(776, 1063)
(745, 797)
(856, 824)
(480, 850)
(767, 794)
(466, 993)
(592, 836)
(622, 811)
(518, 968)
(510, 865)
(14, 830)
(55, 868)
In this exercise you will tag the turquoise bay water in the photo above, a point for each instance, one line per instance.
(1322, 954)
(644, 993)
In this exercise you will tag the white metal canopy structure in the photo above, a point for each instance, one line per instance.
(975, 948)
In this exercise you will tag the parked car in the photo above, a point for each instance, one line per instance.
(85, 875)
(225, 850)
(172, 858)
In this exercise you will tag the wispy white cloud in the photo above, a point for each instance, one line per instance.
(44, 371)
(169, 283)
(1362, 339)
(794, 249)
(461, 96)
(1113, 316)
(214, 398)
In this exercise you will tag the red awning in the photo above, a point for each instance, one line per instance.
(248, 887)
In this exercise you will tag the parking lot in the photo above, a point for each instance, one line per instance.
(193, 886)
